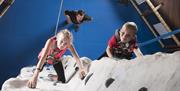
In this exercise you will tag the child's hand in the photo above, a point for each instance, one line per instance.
(32, 82)
(82, 73)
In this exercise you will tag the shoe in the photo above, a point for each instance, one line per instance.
(87, 18)
(76, 28)
(56, 82)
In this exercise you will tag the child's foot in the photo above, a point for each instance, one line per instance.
(55, 83)
(87, 18)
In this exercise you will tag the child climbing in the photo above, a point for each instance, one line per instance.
(52, 52)
(123, 43)
(76, 17)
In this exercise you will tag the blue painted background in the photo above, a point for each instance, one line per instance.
(29, 23)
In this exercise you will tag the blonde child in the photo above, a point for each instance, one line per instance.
(53, 50)
(123, 43)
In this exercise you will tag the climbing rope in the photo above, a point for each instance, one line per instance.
(58, 18)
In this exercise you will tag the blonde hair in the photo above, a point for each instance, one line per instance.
(131, 26)
(66, 34)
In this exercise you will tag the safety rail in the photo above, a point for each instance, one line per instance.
(159, 28)
(4, 6)
(1, 1)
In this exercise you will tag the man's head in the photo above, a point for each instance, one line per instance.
(84, 16)
(81, 12)
(128, 31)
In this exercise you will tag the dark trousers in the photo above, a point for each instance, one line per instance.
(60, 71)
(64, 25)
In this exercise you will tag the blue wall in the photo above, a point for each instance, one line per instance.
(29, 23)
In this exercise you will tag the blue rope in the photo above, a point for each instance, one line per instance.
(59, 15)
(159, 37)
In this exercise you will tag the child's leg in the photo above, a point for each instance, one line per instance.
(76, 27)
(62, 24)
(60, 71)
(73, 27)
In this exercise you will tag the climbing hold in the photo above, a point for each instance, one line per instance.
(47, 68)
(143, 89)
(74, 64)
(65, 67)
(109, 82)
(87, 78)
(77, 68)
(72, 75)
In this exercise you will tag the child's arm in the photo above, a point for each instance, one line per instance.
(66, 12)
(32, 82)
(108, 51)
(68, 19)
(76, 57)
(138, 52)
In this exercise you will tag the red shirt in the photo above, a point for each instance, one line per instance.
(124, 49)
(55, 52)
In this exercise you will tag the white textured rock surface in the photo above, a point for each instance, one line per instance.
(158, 72)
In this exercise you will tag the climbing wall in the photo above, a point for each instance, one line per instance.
(27, 25)
(158, 72)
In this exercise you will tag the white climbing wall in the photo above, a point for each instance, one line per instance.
(158, 72)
